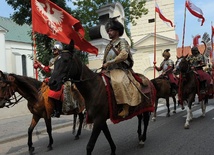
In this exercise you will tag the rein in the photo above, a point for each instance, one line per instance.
(81, 74)
(13, 98)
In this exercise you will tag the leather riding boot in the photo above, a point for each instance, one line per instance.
(202, 87)
(173, 89)
(125, 111)
(58, 108)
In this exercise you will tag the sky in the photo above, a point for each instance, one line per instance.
(192, 28)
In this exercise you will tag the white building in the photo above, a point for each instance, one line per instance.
(16, 48)
(143, 37)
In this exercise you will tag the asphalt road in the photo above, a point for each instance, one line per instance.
(166, 136)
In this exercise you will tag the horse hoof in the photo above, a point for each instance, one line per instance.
(167, 115)
(141, 143)
(153, 119)
(76, 138)
(186, 126)
(203, 115)
(31, 150)
(174, 112)
(49, 148)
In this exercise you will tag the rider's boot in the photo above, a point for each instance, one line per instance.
(125, 111)
(203, 87)
(58, 108)
(173, 89)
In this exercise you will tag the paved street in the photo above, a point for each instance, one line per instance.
(15, 121)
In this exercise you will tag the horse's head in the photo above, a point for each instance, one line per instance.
(4, 88)
(182, 65)
(65, 68)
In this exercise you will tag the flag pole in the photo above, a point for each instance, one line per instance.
(155, 41)
(211, 53)
(34, 53)
(184, 27)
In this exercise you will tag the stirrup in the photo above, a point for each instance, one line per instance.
(123, 113)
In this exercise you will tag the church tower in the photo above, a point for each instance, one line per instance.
(143, 37)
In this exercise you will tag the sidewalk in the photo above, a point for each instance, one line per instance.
(15, 121)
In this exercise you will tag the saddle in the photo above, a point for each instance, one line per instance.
(147, 101)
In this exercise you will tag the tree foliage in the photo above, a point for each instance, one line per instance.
(83, 10)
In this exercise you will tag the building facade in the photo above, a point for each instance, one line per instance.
(16, 48)
(143, 36)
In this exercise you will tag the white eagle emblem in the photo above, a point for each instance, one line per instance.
(52, 16)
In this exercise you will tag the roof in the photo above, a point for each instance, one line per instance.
(15, 32)
(187, 50)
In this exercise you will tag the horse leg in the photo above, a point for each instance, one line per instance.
(139, 128)
(49, 131)
(34, 121)
(109, 138)
(186, 125)
(189, 112)
(203, 107)
(146, 117)
(167, 105)
(81, 119)
(94, 135)
(155, 111)
(74, 124)
(174, 101)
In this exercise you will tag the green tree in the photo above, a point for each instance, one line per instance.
(84, 10)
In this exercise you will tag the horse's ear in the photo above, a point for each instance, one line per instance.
(186, 56)
(70, 47)
(11, 79)
(2, 75)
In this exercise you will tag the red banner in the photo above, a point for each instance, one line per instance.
(157, 9)
(56, 23)
(195, 11)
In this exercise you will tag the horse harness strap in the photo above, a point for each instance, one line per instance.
(11, 93)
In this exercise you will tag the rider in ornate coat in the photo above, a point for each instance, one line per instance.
(167, 66)
(197, 62)
(118, 62)
(65, 92)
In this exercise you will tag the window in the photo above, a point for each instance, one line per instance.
(24, 65)
(151, 20)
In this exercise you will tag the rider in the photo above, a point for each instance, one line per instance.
(197, 62)
(118, 63)
(167, 66)
(56, 96)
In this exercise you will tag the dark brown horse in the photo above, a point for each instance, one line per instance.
(36, 93)
(188, 88)
(93, 88)
(163, 90)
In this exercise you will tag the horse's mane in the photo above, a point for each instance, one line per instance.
(30, 85)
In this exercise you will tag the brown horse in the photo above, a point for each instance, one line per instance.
(188, 88)
(36, 93)
(163, 90)
(92, 86)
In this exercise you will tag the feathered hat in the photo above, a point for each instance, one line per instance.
(194, 49)
(114, 24)
(166, 53)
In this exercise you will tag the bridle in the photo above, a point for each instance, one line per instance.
(188, 70)
(8, 92)
(66, 77)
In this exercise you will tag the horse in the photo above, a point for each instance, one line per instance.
(36, 94)
(188, 89)
(93, 87)
(163, 90)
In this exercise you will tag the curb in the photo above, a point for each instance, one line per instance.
(19, 136)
